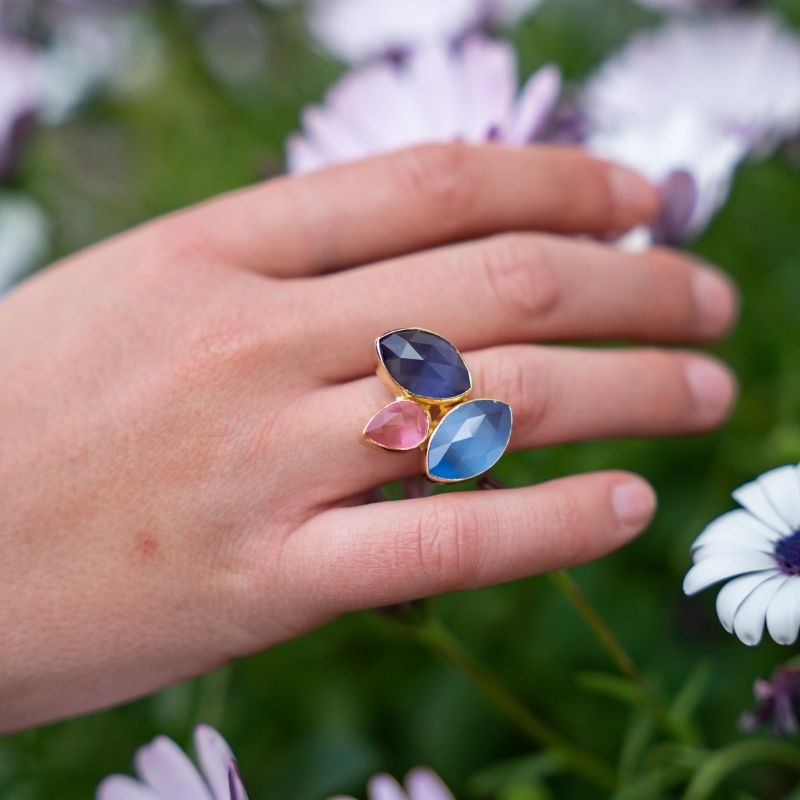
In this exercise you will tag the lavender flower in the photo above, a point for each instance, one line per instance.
(166, 772)
(355, 30)
(20, 89)
(438, 94)
(778, 703)
(757, 550)
(420, 784)
(686, 5)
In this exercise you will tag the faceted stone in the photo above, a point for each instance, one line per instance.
(402, 425)
(424, 364)
(469, 440)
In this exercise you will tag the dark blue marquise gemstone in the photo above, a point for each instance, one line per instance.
(424, 364)
(469, 440)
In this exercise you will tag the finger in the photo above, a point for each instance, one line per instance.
(416, 198)
(557, 395)
(512, 288)
(393, 552)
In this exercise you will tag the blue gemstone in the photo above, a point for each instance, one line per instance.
(424, 364)
(469, 440)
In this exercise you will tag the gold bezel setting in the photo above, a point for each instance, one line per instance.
(436, 410)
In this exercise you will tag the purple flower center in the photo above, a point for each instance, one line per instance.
(787, 554)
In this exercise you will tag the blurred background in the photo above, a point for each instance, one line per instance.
(153, 106)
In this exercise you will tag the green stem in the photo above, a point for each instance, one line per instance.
(718, 766)
(617, 653)
(438, 639)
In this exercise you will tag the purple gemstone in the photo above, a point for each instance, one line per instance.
(424, 364)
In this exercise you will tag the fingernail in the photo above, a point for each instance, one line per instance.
(715, 298)
(635, 198)
(712, 387)
(634, 503)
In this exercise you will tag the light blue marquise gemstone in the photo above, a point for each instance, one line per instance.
(469, 440)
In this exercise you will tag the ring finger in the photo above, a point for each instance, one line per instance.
(557, 395)
(514, 288)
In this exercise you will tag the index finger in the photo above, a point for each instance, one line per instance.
(418, 198)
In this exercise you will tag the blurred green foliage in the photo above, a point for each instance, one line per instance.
(319, 715)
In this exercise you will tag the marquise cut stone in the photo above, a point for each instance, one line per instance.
(402, 425)
(469, 440)
(424, 364)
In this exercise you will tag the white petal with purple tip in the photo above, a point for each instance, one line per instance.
(734, 593)
(783, 614)
(169, 771)
(712, 570)
(748, 622)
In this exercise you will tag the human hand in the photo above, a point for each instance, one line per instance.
(181, 478)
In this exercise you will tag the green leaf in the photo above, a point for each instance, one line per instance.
(529, 770)
(608, 685)
(691, 693)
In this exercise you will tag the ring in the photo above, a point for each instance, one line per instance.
(459, 438)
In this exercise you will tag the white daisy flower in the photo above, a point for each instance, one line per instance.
(682, 143)
(166, 773)
(355, 30)
(438, 94)
(740, 73)
(757, 550)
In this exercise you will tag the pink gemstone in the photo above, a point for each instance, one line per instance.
(402, 425)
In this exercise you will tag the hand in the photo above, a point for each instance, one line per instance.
(181, 478)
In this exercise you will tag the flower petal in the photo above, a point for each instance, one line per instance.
(748, 622)
(169, 771)
(712, 570)
(734, 593)
(783, 614)
(753, 496)
(215, 757)
(236, 790)
(535, 104)
(121, 787)
(722, 548)
(489, 81)
(782, 488)
(425, 784)
(738, 528)
(385, 787)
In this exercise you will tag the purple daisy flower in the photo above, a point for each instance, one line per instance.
(756, 549)
(165, 772)
(778, 703)
(439, 93)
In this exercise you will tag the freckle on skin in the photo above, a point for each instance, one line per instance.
(146, 545)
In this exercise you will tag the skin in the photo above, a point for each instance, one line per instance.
(181, 478)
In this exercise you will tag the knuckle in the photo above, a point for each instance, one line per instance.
(567, 522)
(522, 275)
(440, 176)
(514, 374)
(183, 238)
(445, 545)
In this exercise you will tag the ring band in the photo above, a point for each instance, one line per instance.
(459, 438)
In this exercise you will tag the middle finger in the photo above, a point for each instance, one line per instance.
(514, 288)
